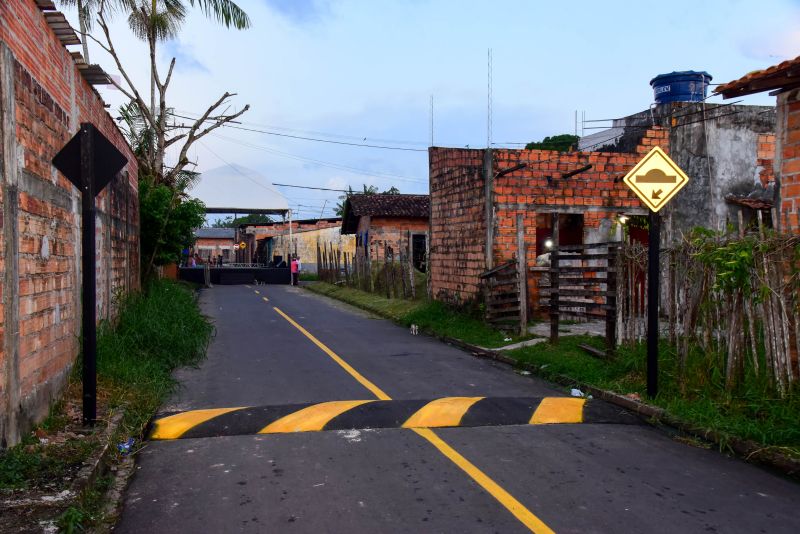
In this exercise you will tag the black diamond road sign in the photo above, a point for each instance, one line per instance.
(107, 160)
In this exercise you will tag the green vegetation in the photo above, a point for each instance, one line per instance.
(561, 143)
(751, 411)
(155, 332)
(309, 277)
(431, 317)
(167, 223)
(230, 222)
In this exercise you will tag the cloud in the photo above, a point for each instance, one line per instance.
(775, 47)
(185, 60)
(299, 11)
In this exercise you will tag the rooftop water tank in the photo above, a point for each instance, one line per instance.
(684, 86)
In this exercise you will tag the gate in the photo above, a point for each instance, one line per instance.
(582, 283)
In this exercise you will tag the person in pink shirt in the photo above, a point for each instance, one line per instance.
(295, 270)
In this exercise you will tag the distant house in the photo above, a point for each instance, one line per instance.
(214, 242)
(783, 80)
(381, 220)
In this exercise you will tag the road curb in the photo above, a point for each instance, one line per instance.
(746, 450)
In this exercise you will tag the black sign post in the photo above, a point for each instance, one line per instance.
(89, 161)
(653, 293)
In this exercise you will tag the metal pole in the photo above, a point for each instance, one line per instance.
(653, 286)
(89, 312)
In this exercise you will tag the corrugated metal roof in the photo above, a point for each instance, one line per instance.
(215, 233)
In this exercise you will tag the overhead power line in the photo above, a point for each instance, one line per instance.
(322, 163)
(315, 139)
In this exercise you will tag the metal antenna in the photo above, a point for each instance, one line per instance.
(431, 120)
(489, 102)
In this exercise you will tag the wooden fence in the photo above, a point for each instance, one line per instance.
(730, 303)
(393, 275)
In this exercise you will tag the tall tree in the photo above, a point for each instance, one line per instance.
(367, 190)
(153, 21)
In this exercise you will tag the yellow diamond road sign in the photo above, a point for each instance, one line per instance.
(656, 179)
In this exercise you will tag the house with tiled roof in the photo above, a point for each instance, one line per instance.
(389, 220)
(783, 81)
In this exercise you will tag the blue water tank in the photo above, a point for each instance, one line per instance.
(684, 86)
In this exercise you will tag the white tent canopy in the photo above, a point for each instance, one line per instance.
(236, 189)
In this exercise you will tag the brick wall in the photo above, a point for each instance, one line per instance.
(44, 100)
(390, 231)
(788, 164)
(458, 224)
(765, 162)
(458, 227)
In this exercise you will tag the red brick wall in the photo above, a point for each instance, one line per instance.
(390, 231)
(765, 154)
(458, 225)
(44, 101)
(788, 165)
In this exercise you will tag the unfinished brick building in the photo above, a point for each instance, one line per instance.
(45, 93)
(475, 220)
(784, 80)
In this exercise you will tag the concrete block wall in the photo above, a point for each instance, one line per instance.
(43, 100)
(788, 164)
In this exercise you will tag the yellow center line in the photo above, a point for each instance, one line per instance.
(378, 392)
(265, 299)
(525, 516)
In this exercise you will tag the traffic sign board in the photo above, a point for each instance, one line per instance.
(242, 245)
(236, 246)
(656, 179)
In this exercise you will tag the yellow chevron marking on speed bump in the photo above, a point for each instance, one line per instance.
(257, 291)
(312, 418)
(558, 410)
(525, 516)
(265, 299)
(173, 426)
(441, 412)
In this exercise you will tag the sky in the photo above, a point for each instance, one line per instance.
(364, 72)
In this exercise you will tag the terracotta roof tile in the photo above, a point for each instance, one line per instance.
(383, 205)
(744, 85)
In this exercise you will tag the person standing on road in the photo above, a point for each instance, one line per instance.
(295, 270)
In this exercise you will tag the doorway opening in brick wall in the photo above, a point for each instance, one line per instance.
(570, 231)
(418, 248)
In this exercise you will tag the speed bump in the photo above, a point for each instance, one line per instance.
(360, 414)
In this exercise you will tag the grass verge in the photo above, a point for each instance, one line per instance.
(432, 317)
(751, 412)
(155, 332)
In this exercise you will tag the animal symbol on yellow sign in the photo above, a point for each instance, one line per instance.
(242, 245)
(656, 179)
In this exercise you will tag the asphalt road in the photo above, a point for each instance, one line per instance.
(510, 478)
